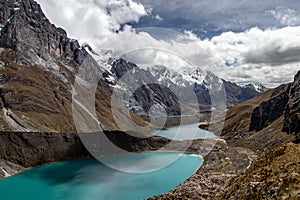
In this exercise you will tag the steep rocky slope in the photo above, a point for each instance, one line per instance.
(33, 99)
(38, 66)
(292, 114)
(33, 149)
(269, 119)
(38, 63)
(28, 32)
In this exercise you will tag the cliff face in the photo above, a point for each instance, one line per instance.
(27, 31)
(270, 119)
(270, 110)
(38, 63)
(292, 115)
(285, 101)
(33, 149)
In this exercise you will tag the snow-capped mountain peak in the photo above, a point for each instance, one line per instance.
(257, 86)
(183, 78)
(194, 76)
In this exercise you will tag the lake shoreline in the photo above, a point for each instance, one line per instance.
(28, 148)
(65, 174)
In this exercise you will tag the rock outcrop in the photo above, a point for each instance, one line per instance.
(275, 174)
(284, 101)
(28, 32)
(270, 119)
(210, 181)
(292, 114)
(8, 169)
(269, 111)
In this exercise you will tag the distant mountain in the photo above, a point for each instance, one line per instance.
(258, 87)
(201, 82)
(190, 86)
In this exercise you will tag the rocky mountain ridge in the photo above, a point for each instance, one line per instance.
(283, 101)
(28, 32)
(292, 114)
(189, 86)
(38, 68)
(266, 120)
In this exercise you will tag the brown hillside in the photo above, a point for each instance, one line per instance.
(275, 174)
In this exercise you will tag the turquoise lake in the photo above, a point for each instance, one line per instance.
(88, 179)
(184, 132)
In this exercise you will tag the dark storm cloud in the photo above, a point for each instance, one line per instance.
(210, 18)
(274, 57)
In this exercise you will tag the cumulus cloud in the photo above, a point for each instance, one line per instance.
(273, 47)
(270, 55)
(157, 17)
(88, 20)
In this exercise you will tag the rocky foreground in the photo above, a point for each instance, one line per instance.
(237, 173)
(221, 165)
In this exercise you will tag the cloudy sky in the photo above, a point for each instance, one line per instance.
(242, 41)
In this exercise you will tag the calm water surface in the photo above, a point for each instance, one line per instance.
(184, 132)
(88, 179)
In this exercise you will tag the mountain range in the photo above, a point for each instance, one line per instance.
(39, 65)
